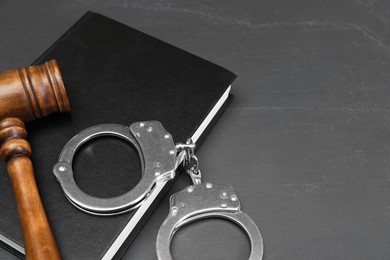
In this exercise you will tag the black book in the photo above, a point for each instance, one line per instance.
(113, 74)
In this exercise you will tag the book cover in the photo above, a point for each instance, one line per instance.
(113, 74)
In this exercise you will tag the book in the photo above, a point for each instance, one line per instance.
(113, 74)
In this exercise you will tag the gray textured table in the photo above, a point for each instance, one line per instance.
(305, 143)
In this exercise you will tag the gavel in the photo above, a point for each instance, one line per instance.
(28, 94)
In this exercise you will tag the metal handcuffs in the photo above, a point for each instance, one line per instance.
(159, 159)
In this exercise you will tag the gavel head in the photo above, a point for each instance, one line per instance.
(32, 92)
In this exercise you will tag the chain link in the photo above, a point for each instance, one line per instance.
(190, 161)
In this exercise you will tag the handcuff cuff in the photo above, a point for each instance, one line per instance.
(159, 157)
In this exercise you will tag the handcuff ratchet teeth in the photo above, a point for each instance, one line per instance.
(159, 159)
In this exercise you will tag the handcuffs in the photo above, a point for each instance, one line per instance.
(160, 157)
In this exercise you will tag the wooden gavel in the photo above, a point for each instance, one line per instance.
(28, 94)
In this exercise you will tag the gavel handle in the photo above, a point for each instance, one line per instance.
(38, 239)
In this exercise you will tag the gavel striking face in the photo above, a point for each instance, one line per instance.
(28, 94)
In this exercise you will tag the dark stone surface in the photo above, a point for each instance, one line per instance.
(305, 143)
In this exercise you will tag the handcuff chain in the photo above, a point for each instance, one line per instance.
(190, 161)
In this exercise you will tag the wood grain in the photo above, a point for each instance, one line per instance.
(28, 94)
(33, 92)
(38, 239)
